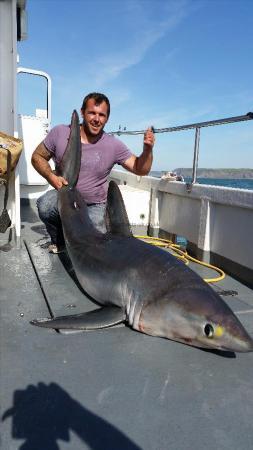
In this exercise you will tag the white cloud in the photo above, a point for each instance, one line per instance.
(174, 117)
(118, 97)
(144, 32)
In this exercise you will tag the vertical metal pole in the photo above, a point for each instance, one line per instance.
(196, 155)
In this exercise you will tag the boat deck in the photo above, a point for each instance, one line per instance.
(113, 389)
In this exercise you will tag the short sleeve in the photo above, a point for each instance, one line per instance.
(122, 152)
(51, 139)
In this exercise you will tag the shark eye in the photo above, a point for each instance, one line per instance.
(76, 206)
(209, 331)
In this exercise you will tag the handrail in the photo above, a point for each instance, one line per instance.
(248, 116)
(197, 126)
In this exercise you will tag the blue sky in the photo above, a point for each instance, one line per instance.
(161, 63)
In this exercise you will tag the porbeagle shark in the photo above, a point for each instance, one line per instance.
(133, 281)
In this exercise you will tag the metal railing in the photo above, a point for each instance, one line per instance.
(196, 126)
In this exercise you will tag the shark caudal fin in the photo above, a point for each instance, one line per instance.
(116, 216)
(69, 166)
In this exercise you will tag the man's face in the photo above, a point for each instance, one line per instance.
(95, 117)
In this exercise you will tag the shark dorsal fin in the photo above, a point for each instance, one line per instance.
(116, 215)
(69, 166)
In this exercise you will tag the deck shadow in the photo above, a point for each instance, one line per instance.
(43, 414)
(28, 213)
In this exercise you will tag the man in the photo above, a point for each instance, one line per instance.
(100, 152)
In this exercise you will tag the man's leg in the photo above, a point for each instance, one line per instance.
(48, 213)
(97, 216)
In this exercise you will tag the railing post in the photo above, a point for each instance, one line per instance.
(196, 155)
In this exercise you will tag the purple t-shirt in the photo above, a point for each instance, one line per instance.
(96, 163)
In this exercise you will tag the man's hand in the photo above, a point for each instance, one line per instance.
(141, 165)
(40, 158)
(149, 140)
(56, 181)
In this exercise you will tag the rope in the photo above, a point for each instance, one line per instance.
(183, 255)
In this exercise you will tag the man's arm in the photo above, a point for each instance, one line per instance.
(141, 165)
(40, 158)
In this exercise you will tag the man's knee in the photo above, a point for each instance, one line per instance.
(47, 203)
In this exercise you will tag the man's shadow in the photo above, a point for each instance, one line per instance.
(45, 413)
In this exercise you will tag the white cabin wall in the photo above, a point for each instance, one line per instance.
(8, 104)
(8, 64)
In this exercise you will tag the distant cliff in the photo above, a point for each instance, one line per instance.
(217, 173)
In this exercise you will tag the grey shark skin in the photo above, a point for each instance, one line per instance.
(69, 166)
(138, 283)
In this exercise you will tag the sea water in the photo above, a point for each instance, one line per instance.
(246, 183)
(233, 183)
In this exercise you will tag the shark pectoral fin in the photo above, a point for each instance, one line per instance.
(105, 317)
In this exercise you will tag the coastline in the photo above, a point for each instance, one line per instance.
(222, 174)
(228, 174)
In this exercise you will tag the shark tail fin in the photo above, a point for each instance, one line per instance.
(116, 216)
(69, 166)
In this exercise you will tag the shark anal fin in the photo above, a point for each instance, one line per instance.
(96, 319)
(116, 215)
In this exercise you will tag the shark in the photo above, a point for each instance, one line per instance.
(134, 282)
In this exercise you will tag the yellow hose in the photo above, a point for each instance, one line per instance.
(182, 254)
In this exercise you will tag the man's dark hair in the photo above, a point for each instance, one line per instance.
(98, 98)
